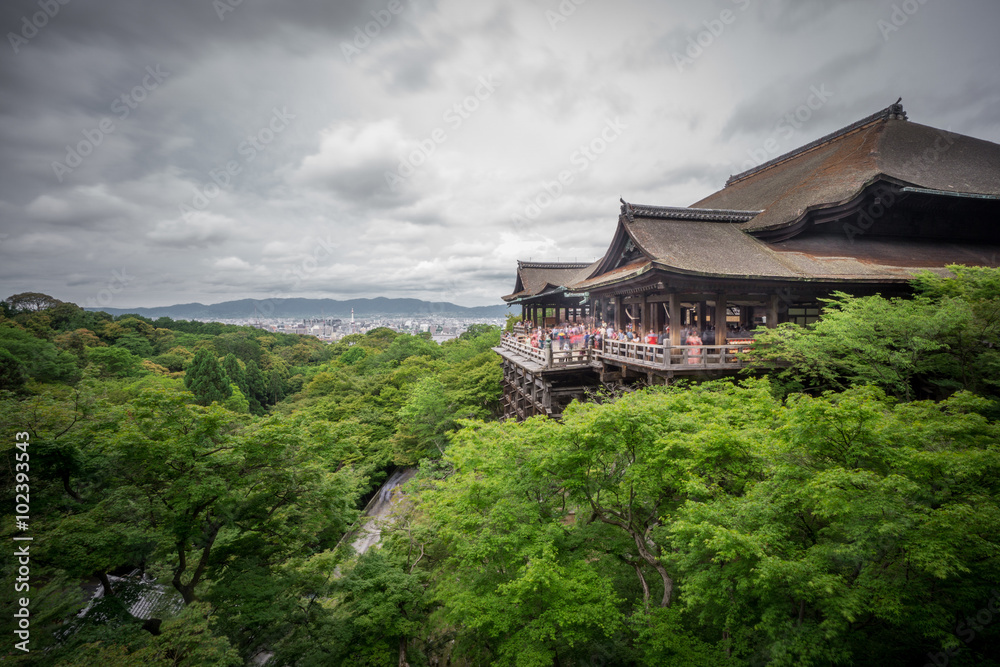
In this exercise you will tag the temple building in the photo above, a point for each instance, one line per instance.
(861, 211)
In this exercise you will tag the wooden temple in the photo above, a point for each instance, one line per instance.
(861, 211)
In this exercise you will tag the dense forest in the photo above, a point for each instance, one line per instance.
(838, 504)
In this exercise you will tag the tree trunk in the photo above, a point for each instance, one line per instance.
(644, 553)
(668, 583)
(69, 490)
(402, 652)
(106, 583)
(187, 590)
(645, 586)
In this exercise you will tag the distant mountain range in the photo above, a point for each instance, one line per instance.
(310, 308)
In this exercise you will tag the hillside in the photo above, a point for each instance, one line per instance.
(308, 308)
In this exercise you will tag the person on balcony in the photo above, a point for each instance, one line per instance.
(694, 353)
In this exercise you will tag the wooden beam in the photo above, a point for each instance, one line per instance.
(772, 312)
(720, 319)
(643, 318)
(675, 319)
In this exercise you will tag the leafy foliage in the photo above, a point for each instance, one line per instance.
(944, 339)
(743, 524)
(206, 379)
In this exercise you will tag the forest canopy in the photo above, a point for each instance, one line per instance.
(838, 504)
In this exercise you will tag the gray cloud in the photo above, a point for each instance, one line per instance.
(189, 185)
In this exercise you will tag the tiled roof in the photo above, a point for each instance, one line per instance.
(837, 168)
(620, 273)
(534, 278)
(632, 211)
(706, 249)
(144, 597)
(892, 112)
(718, 235)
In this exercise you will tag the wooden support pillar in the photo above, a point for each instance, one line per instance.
(675, 319)
(772, 311)
(720, 319)
(643, 318)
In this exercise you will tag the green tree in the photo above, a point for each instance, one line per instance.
(942, 340)
(206, 379)
(137, 344)
(113, 362)
(276, 380)
(13, 374)
(236, 373)
(32, 302)
(37, 359)
(256, 388)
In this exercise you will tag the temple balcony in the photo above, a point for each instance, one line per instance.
(676, 359)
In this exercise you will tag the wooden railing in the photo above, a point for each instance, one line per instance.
(657, 357)
(677, 357)
(525, 350)
(547, 357)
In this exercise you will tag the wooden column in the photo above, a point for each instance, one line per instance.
(720, 319)
(675, 319)
(772, 312)
(643, 317)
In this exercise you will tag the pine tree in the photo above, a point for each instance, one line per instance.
(234, 369)
(256, 391)
(206, 379)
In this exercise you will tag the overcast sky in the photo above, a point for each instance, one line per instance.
(200, 150)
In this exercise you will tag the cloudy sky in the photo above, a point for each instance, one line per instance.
(208, 150)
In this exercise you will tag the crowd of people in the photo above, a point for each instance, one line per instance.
(590, 335)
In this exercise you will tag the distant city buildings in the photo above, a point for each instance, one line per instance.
(333, 329)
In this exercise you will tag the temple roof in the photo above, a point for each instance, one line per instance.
(837, 168)
(699, 248)
(772, 222)
(534, 278)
